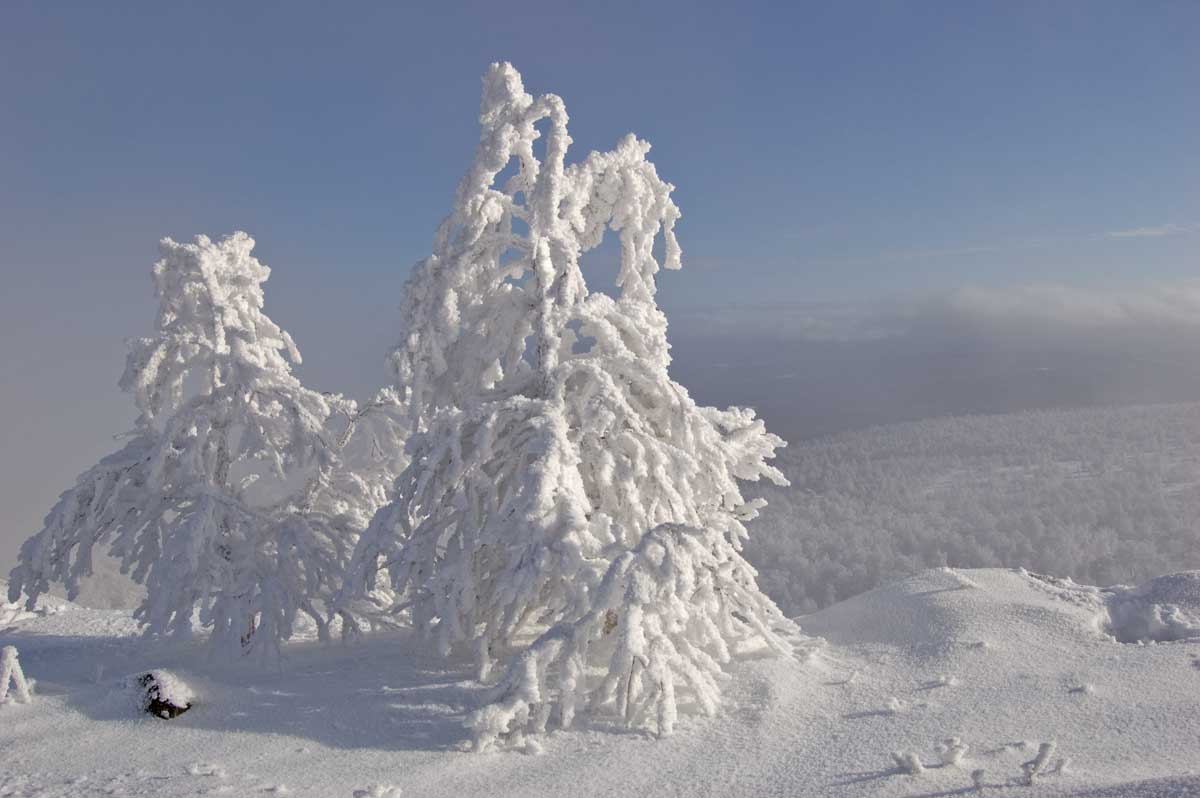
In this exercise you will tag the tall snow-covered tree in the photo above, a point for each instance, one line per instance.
(231, 497)
(568, 508)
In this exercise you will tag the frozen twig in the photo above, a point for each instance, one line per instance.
(11, 674)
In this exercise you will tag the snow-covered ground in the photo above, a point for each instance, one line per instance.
(1004, 661)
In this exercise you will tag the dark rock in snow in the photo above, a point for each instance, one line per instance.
(162, 693)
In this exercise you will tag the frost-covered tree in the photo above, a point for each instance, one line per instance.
(231, 497)
(568, 507)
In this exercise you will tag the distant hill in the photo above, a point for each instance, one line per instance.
(1103, 495)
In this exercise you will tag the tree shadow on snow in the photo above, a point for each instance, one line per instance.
(1168, 787)
(846, 779)
(970, 790)
(869, 713)
(371, 694)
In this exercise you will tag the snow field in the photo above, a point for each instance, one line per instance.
(341, 721)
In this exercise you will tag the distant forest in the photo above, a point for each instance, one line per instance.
(1103, 495)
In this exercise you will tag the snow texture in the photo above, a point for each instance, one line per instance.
(562, 487)
(1164, 609)
(338, 720)
(231, 497)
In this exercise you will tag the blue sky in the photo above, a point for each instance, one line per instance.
(834, 153)
(820, 152)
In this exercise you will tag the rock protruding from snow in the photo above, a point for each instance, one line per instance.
(160, 693)
(12, 677)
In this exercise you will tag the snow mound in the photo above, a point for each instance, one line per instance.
(1162, 610)
(915, 622)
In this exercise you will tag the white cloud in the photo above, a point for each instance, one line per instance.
(1155, 231)
(815, 369)
(1032, 310)
(793, 321)
(1024, 312)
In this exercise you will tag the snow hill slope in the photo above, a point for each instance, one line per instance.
(1004, 661)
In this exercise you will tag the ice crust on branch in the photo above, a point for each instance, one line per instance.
(562, 488)
(233, 496)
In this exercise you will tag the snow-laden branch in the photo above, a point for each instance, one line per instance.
(668, 614)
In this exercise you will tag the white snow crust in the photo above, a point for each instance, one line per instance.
(964, 676)
(1163, 609)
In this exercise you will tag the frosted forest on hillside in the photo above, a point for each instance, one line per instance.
(1103, 495)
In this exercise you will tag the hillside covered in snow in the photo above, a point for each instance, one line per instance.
(1103, 495)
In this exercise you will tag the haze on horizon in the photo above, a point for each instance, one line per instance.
(890, 211)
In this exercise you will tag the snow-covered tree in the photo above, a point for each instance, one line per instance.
(562, 487)
(231, 496)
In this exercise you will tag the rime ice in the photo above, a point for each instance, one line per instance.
(233, 496)
(562, 485)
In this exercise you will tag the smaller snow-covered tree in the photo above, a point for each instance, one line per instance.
(568, 508)
(231, 497)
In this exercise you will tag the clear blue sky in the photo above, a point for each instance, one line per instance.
(820, 150)
(833, 152)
